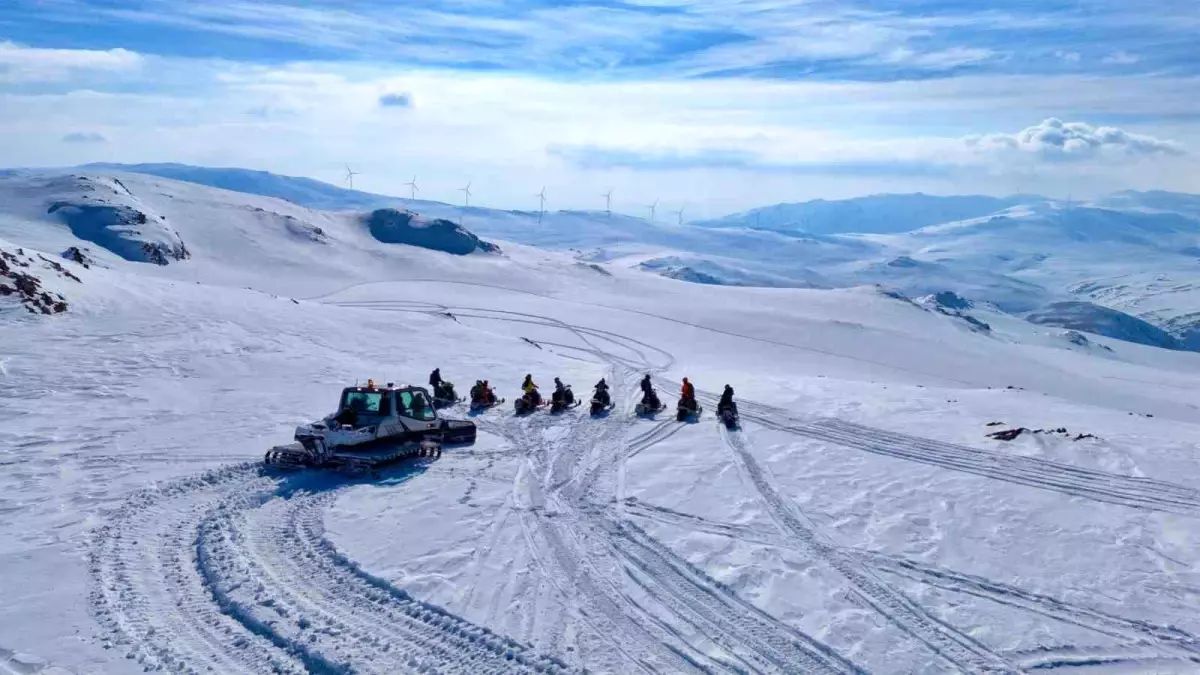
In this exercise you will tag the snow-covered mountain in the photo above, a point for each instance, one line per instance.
(866, 517)
(1020, 253)
(876, 214)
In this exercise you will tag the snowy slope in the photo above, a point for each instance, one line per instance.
(860, 521)
(1019, 252)
(875, 214)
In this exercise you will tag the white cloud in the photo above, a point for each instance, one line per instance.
(1069, 57)
(946, 59)
(1057, 140)
(21, 64)
(84, 137)
(1120, 59)
(309, 119)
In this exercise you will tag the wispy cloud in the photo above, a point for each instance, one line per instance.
(84, 137)
(1051, 141)
(1121, 59)
(670, 159)
(396, 100)
(22, 64)
(836, 39)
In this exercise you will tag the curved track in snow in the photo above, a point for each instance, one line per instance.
(230, 572)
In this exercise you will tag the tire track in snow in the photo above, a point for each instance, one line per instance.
(1130, 491)
(960, 650)
(221, 572)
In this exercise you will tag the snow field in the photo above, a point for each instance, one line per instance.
(860, 521)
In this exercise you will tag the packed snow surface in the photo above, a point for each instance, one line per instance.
(860, 520)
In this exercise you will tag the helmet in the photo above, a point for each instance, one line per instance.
(685, 379)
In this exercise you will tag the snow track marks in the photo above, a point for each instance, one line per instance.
(1130, 491)
(230, 571)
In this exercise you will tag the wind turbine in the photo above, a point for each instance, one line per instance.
(466, 201)
(608, 202)
(542, 196)
(350, 176)
(679, 214)
(413, 189)
(652, 207)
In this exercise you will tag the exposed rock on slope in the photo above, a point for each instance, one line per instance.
(19, 280)
(391, 226)
(108, 215)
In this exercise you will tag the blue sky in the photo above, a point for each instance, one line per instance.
(766, 99)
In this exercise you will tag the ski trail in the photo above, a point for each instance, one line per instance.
(960, 650)
(1134, 492)
(221, 572)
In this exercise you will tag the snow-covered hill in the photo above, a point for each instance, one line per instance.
(863, 519)
(876, 214)
(1021, 252)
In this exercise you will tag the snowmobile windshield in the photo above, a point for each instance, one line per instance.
(363, 402)
(416, 405)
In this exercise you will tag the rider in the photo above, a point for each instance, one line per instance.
(489, 395)
(602, 391)
(560, 391)
(437, 384)
(477, 393)
(726, 402)
(647, 388)
(687, 394)
(531, 390)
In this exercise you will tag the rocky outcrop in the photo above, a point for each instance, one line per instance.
(124, 230)
(392, 226)
(20, 280)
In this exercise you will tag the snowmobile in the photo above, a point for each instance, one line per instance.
(444, 395)
(601, 402)
(688, 408)
(729, 417)
(372, 427)
(528, 403)
(649, 405)
(484, 404)
(564, 401)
